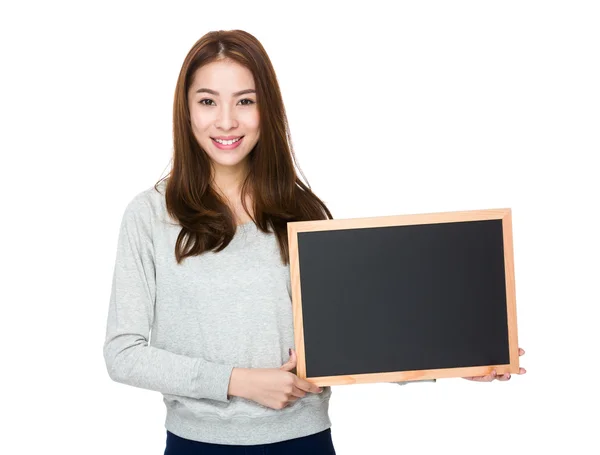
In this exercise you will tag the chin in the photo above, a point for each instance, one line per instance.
(228, 157)
(231, 160)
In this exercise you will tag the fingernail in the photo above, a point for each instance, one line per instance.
(508, 376)
(494, 373)
(320, 389)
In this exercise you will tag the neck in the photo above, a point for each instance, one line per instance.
(228, 181)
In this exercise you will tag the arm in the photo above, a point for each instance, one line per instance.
(129, 359)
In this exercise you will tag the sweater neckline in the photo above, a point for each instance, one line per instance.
(245, 226)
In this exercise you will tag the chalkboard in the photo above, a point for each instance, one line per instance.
(406, 297)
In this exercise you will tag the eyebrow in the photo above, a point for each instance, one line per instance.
(212, 92)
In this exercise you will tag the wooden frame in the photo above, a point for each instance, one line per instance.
(294, 228)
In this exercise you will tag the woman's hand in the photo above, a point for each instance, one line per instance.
(274, 388)
(490, 377)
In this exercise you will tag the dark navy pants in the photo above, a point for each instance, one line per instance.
(314, 444)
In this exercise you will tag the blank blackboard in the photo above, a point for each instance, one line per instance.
(405, 297)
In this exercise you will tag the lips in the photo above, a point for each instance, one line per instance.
(227, 138)
(227, 146)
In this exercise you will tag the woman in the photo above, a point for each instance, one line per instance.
(202, 262)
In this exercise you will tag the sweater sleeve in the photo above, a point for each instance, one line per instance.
(128, 356)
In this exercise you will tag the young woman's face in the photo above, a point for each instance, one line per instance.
(222, 103)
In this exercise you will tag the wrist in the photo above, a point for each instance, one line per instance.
(237, 382)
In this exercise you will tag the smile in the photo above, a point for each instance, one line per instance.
(227, 145)
(232, 141)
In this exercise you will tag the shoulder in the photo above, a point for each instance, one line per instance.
(147, 204)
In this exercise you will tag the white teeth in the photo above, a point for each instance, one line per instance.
(228, 142)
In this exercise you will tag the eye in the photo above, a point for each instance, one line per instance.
(249, 102)
(206, 99)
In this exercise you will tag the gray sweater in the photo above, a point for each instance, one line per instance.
(181, 329)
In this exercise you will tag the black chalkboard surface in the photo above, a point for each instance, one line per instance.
(404, 297)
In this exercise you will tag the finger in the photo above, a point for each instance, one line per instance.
(490, 377)
(522, 371)
(504, 377)
(292, 398)
(312, 388)
(521, 351)
(291, 363)
(487, 378)
(298, 393)
(307, 386)
(294, 356)
(301, 383)
(493, 375)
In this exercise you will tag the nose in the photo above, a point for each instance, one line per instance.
(226, 118)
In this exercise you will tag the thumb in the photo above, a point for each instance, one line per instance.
(291, 363)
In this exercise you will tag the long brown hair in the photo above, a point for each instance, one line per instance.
(278, 195)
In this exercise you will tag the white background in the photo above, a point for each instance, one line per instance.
(395, 108)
